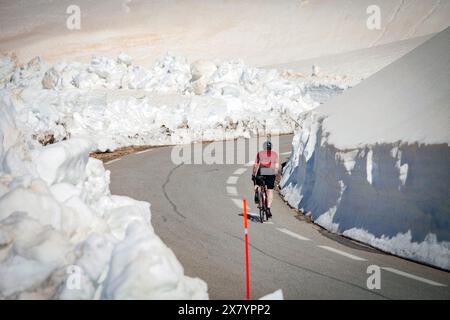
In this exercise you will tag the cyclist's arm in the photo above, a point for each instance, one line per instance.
(256, 164)
(277, 165)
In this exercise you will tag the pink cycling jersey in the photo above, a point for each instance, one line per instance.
(267, 159)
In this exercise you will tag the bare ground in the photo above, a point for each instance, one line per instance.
(120, 152)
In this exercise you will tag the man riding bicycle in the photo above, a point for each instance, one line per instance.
(265, 169)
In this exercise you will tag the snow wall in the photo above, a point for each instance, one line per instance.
(373, 164)
(116, 103)
(64, 236)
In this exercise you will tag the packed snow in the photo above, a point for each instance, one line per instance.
(326, 219)
(430, 250)
(116, 103)
(358, 64)
(63, 235)
(373, 163)
(277, 295)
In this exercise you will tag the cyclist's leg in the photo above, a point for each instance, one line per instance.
(256, 198)
(269, 198)
(270, 182)
(258, 184)
(255, 190)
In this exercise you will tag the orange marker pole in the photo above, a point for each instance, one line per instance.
(247, 270)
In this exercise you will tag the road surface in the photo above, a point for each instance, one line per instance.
(196, 210)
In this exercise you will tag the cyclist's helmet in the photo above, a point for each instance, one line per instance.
(267, 145)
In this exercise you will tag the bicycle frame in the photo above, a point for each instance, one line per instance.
(262, 197)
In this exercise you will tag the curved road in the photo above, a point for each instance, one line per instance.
(196, 210)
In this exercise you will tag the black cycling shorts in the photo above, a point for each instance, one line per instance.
(269, 180)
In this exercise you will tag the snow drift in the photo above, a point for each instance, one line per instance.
(63, 235)
(116, 103)
(374, 163)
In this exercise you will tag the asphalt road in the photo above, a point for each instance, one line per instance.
(196, 210)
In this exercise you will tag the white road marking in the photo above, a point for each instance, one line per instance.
(237, 202)
(293, 234)
(285, 153)
(143, 151)
(268, 222)
(411, 276)
(342, 253)
(232, 180)
(112, 161)
(232, 191)
(240, 171)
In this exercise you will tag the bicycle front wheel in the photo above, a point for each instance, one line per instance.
(261, 207)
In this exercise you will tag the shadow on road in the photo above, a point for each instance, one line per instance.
(251, 217)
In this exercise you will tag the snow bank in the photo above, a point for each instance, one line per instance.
(63, 235)
(373, 163)
(116, 103)
(277, 295)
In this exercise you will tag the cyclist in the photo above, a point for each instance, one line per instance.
(266, 167)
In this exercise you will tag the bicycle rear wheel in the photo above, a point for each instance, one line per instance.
(266, 206)
(261, 207)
